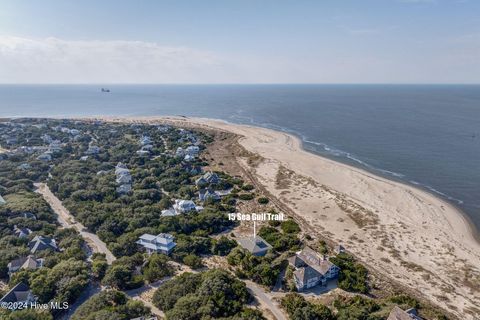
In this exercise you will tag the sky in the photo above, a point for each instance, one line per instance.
(240, 41)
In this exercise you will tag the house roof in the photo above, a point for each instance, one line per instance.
(25, 263)
(305, 273)
(21, 231)
(2, 201)
(18, 293)
(313, 259)
(398, 314)
(40, 243)
(254, 245)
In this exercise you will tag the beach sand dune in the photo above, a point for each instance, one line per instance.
(402, 232)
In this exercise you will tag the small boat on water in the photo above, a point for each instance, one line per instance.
(105, 90)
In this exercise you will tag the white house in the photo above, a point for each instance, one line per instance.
(169, 213)
(192, 151)
(161, 243)
(184, 206)
(145, 140)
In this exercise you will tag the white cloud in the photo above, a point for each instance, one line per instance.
(53, 60)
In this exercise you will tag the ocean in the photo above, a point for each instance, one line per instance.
(423, 135)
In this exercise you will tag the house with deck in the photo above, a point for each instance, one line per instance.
(161, 243)
(185, 206)
(311, 269)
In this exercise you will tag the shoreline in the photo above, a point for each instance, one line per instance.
(473, 231)
(416, 239)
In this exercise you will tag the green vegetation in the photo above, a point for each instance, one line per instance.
(110, 304)
(300, 309)
(124, 273)
(290, 226)
(211, 294)
(262, 200)
(262, 270)
(353, 276)
(279, 240)
(246, 196)
(223, 246)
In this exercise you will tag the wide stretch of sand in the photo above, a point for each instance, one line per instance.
(405, 233)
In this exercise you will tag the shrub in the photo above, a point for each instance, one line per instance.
(263, 200)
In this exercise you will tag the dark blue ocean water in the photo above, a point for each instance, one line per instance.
(424, 135)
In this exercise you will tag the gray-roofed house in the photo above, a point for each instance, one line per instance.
(2, 201)
(162, 243)
(28, 263)
(92, 150)
(21, 232)
(124, 189)
(40, 243)
(207, 193)
(169, 213)
(307, 277)
(304, 277)
(124, 178)
(255, 245)
(20, 293)
(208, 178)
(399, 314)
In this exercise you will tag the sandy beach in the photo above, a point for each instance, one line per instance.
(402, 232)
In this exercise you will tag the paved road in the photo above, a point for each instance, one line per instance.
(67, 220)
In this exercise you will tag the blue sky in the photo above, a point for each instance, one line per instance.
(262, 41)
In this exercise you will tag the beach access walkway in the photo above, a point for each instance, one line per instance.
(67, 220)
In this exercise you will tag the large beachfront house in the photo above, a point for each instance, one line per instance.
(311, 269)
(161, 243)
